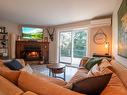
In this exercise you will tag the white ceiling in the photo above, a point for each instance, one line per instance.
(54, 12)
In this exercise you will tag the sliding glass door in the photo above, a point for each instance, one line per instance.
(65, 47)
(73, 45)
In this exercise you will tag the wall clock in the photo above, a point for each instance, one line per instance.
(100, 37)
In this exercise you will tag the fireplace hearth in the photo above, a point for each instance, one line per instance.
(33, 51)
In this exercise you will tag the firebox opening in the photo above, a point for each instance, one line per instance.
(32, 53)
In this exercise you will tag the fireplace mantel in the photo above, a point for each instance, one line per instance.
(21, 46)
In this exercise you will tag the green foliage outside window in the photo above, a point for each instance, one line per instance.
(79, 47)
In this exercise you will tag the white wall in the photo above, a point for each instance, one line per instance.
(100, 49)
(12, 29)
(115, 37)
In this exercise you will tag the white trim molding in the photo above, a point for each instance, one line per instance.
(100, 22)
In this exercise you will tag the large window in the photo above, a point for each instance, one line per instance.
(73, 45)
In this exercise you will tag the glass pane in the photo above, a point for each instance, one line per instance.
(79, 45)
(73, 46)
(65, 47)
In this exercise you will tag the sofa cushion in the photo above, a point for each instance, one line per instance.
(115, 83)
(114, 87)
(13, 64)
(10, 74)
(83, 62)
(92, 85)
(29, 93)
(29, 82)
(8, 88)
(91, 62)
(100, 69)
(120, 71)
(2, 65)
(104, 64)
(114, 90)
(94, 71)
(60, 82)
(22, 62)
(80, 75)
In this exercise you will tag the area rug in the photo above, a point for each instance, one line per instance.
(70, 71)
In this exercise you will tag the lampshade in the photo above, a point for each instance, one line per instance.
(107, 45)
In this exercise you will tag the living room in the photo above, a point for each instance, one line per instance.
(71, 32)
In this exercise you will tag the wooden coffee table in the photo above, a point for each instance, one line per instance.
(56, 68)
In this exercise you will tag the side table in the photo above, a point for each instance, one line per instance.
(56, 68)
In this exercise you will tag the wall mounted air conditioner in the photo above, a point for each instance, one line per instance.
(100, 22)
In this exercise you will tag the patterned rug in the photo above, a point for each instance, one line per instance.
(70, 71)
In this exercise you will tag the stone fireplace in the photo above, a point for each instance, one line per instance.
(33, 51)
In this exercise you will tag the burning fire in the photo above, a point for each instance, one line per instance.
(33, 54)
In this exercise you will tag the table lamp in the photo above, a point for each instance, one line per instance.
(107, 47)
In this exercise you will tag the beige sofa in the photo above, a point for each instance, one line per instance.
(24, 83)
(28, 82)
(114, 87)
(31, 84)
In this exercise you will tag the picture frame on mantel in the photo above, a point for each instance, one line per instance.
(122, 29)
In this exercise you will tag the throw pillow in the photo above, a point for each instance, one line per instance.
(92, 85)
(22, 62)
(94, 71)
(10, 75)
(100, 69)
(104, 64)
(13, 64)
(83, 62)
(80, 75)
(91, 62)
(27, 68)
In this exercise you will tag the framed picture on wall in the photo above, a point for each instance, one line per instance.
(122, 29)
